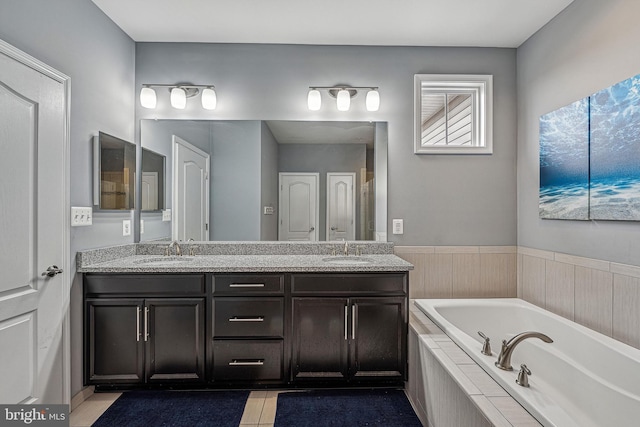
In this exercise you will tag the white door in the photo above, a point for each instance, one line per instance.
(190, 192)
(341, 206)
(149, 190)
(298, 206)
(34, 228)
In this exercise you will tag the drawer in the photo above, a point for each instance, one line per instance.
(248, 317)
(247, 360)
(242, 284)
(144, 284)
(349, 284)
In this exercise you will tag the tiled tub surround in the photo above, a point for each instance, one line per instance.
(242, 257)
(461, 271)
(447, 388)
(601, 295)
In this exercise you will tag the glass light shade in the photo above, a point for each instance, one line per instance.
(178, 98)
(148, 97)
(373, 100)
(209, 99)
(314, 100)
(343, 100)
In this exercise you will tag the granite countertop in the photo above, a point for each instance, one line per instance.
(248, 263)
(243, 258)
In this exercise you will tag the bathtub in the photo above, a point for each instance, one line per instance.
(582, 379)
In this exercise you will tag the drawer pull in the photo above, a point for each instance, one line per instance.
(242, 362)
(246, 319)
(246, 285)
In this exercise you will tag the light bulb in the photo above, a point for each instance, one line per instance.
(209, 99)
(148, 97)
(314, 100)
(343, 100)
(373, 100)
(178, 98)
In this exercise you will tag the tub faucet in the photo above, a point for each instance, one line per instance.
(504, 359)
(171, 245)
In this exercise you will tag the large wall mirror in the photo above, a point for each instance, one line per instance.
(248, 180)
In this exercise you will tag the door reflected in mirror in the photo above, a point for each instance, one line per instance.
(245, 199)
(153, 181)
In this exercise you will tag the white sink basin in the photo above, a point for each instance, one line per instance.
(165, 260)
(347, 260)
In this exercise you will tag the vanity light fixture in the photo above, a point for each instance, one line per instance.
(343, 95)
(179, 95)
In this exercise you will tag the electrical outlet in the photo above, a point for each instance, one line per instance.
(126, 227)
(398, 226)
(268, 210)
(166, 215)
(81, 216)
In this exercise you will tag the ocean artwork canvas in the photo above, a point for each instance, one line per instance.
(564, 162)
(615, 152)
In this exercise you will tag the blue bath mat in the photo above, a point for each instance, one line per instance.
(175, 408)
(319, 408)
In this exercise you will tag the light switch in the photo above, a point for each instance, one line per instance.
(166, 215)
(81, 216)
(268, 210)
(126, 227)
(398, 226)
(142, 226)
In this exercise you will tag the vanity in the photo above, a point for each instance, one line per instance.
(245, 315)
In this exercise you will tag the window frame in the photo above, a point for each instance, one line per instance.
(480, 86)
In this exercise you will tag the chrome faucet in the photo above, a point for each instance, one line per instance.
(171, 245)
(504, 359)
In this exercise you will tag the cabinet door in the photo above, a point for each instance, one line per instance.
(320, 338)
(114, 345)
(378, 337)
(175, 347)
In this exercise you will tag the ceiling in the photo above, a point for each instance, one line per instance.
(300, 132)
(481, 23)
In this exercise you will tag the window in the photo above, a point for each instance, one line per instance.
(453, 114)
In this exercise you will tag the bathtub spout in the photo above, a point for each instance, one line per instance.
(504, 359)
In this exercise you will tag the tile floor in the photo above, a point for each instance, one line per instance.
(259, 411)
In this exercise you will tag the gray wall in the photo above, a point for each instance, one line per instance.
(76, 38)
(323, 158)
(269, 184)
(444, 200)
(235, 180)
(591, 45)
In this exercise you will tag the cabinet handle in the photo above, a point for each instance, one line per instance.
(346, 317)
(146, 323)
(246, 319)
(246, 285)
(138, 324)
(353, 322)
(242, 362)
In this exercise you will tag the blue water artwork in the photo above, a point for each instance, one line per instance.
(615, 152)
(564, 162)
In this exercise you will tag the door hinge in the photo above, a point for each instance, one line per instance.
(206, 227)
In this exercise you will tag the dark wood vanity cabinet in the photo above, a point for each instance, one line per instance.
(348, 328)
(144, 329)
(248, 328)
(245, 330)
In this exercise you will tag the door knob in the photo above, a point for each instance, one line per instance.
(311, 229)
(334, 228)
(52, 271)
